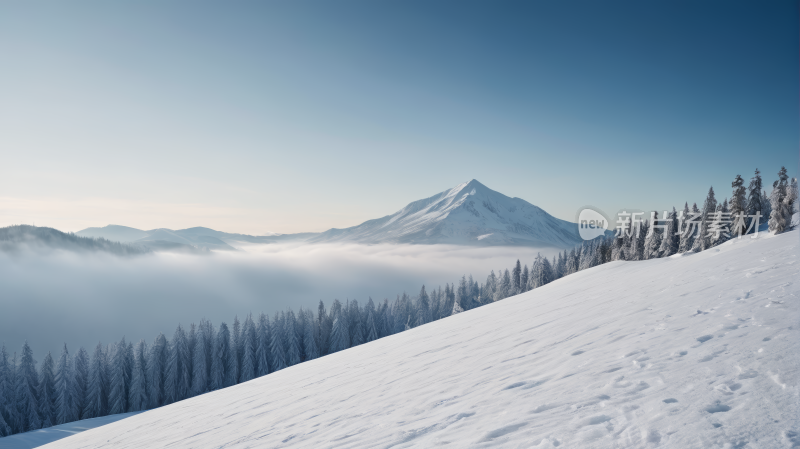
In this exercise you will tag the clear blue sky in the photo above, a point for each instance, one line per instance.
(301, 116)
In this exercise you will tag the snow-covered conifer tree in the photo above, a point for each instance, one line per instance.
(703, 240)
(263, 347)
(423, 308)
(7, 416)
(47, 391)
(80, 382)
(781, 215)
(201, 359)
(8, 412)
(178, 381)
(220, 358)
(339, 337)
(65, 403)
(235, 361)
(293, 350)
(371, 329)
(738, 205)
(97, 392)
(249, 347)
(324, 328)
(27, 391)
(755, 199)
(277, 348)
(156, 371)
(120, 381)
(523, 279)
(669, 239)
(137, 397)
(310, 349)
(516, 278)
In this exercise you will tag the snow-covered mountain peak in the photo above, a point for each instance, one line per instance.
(468, 214)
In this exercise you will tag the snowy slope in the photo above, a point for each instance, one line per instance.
(40, 437)
(468, 214)
(693, 351)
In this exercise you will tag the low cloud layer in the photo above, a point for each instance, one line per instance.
(80, 299)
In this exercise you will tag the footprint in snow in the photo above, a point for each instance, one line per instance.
(717, 408)
(704, 338)
(670, 401)
(578, 352)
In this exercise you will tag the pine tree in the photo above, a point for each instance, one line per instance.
(27, 391)
(15, 420)
(505, 287)
(97, 392)
(687, 233)
(755, 203)
(293, 349)
(235, 360)
(637, 240)
(738, 205)
(371, 328)
(310, 349)
(201, 360)
(263, 365)
(8, 413)
(355, 326)
(766, 208)
(384, 318)
(339, 337)
(277, 348)
(516, 278)
(120, 381)
(47, 391)
(178, 381)
(249, 346)
(703, 240)
(652, 242)
(523, 280)
(669, 239)
(423, 308)
(80, 382)
(220, 358)
(791, 198)
(157, 371)
(137, 398)
(324, 324)
(781, 215)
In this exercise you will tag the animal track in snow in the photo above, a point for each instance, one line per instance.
(717, 408)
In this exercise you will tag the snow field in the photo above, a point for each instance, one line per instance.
(690, 351)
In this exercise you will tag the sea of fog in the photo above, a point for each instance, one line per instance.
(52, 298)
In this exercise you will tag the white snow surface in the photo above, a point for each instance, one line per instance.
(40, 437)
(699, 351)
(468, 214)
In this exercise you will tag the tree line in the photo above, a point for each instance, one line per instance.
(124, 377)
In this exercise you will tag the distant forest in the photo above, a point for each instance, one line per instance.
(15, 238)
(124, 376)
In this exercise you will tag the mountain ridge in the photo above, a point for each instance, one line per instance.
(468, 214)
